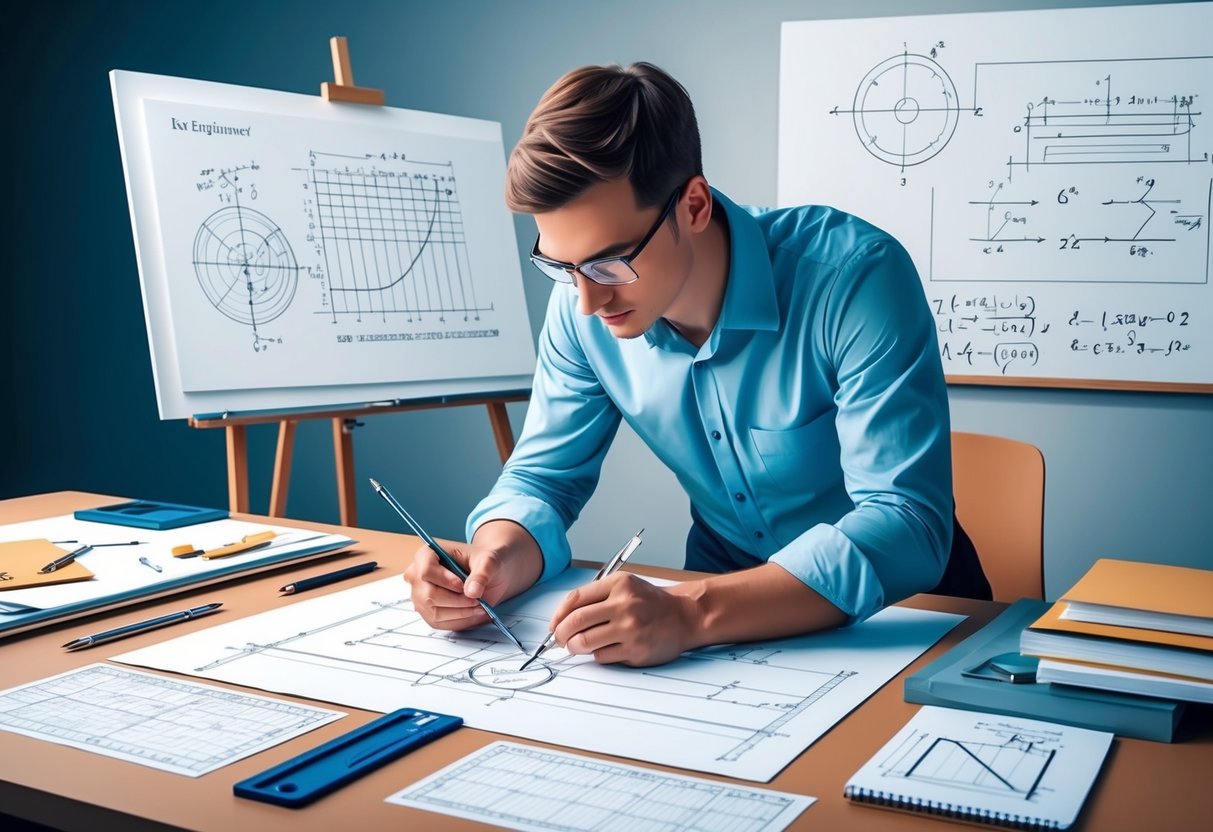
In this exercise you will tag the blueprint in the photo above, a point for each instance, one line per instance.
(739, 710)
(169, 724)
(521, 787)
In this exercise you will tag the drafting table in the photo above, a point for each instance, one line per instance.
(1144, 785)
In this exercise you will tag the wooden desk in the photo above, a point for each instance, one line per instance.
(1144, 785)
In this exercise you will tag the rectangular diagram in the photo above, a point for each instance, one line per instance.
(528, 788)
(173, 725)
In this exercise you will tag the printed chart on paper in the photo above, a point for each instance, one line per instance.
(522, 787)
(170, 724)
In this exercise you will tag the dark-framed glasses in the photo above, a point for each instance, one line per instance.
(609, 271)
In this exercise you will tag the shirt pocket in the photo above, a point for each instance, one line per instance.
(803, 460)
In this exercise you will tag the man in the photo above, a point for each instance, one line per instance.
(783, 364)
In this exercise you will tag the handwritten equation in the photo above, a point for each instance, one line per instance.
(1009, 334)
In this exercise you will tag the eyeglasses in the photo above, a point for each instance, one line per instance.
(609, 271)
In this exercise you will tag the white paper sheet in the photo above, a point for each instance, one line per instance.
(117, 570)
(744, 710)
(520, 787)
(169, 724)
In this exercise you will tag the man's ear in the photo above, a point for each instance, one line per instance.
(695, 206)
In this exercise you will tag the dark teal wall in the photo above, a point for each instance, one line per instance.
(1129, 474)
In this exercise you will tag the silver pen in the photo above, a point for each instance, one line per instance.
(608, 568)
(445, 559)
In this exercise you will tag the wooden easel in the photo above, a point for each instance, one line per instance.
(345, 419)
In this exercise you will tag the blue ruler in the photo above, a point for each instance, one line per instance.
(328, 767)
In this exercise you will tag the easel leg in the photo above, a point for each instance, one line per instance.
(237, 468)
(282, 467)
(500, 419)
(343, 452)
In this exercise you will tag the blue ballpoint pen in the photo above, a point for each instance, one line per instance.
(142, 626)
(445, 559)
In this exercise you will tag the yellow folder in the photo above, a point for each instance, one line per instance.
(20, 561)
(1152, 587)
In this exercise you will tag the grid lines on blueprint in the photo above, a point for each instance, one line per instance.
(393, 240)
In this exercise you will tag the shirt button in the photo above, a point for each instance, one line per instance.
(739, 497)
(758, 535)
(715, 434)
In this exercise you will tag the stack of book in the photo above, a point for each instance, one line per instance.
(1141, 628)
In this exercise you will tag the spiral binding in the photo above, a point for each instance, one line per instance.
(972, 814)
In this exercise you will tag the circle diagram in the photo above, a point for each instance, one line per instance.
(503, 673)
(905, 110)
(245, 265)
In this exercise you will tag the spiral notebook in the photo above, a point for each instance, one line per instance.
(984, 768)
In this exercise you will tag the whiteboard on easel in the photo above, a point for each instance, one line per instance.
(298, 253)
(1049, 171)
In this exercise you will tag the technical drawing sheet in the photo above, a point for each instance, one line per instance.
(296, 252)
(522, 787)
(742, 710)
(169, 724)
(986, 765)
(1049, 171)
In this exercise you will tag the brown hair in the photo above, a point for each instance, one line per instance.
(602, 123)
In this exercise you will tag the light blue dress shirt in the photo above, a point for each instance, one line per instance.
(810, 429)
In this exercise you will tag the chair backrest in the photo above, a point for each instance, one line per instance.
(999, 485)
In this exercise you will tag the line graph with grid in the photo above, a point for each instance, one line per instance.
(392, 240)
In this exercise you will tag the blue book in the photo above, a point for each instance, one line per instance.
(148, 514)
(943, 682)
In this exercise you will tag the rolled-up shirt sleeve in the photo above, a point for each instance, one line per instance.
(894, 435)
(569, 426)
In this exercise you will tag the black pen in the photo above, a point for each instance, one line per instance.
(444, 557)
(70, 557)
(141, 626)
(329, 578)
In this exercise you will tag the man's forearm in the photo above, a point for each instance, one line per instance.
(760, 603)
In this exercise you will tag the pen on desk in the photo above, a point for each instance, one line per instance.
(608, 568)
(70, 557)
(329, 578)
(141, 626)
(99, 545)
(445, 559)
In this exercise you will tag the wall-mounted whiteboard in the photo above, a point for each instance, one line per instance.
(298, 253)
(1050, 172)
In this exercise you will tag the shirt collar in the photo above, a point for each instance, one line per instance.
(749, 295)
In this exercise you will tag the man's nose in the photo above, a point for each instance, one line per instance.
(591, 296)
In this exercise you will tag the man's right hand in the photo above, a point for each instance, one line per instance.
(502, 561)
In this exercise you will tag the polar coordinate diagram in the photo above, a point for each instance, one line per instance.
(905, 110)
(245, 266)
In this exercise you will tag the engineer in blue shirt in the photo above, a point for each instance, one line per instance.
(782, 363)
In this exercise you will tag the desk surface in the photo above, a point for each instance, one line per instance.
(1143, 785)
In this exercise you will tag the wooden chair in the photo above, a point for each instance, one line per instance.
(999, 485)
